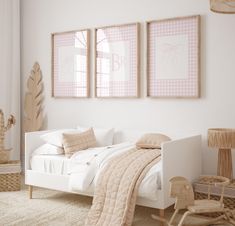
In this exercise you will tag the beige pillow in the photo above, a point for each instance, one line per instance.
(74, 142)
(152, 140)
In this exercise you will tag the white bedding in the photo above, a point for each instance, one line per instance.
(53, 164)
(85, 166)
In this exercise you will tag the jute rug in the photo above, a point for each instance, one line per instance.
(53, 208)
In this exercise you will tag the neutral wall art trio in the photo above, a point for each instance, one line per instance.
(173, 50)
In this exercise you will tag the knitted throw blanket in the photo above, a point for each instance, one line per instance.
(117, 187)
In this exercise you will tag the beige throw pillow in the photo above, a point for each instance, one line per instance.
(152, 140)
(79, 141)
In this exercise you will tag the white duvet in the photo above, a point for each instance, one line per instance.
(85, 167)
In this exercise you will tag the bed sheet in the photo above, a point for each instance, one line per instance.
(86, 166)
(52, 164)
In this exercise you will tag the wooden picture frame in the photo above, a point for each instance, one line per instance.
(173, 58)
(70, 64)
(117, 61)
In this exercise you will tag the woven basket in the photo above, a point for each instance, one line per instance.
(201, 192)
(228, 202)
(10, 178)
(5, 155)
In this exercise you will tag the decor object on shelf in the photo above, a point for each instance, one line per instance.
(117, 61)
(70, 64)
(224, 139)
(222, 6)
(33, 101)
(182, 190)
(5, 153)
(10, 179)
(173, 57)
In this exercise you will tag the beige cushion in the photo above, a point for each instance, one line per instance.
(152, 140)
(74, 142)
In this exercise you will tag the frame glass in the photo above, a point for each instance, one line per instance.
(173, 62)
(70, 64)
(117, 61)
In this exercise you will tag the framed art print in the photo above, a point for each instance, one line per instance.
(70, 64)
(173, 57)
(117, 61)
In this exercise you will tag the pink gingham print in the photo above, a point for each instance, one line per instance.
(73, 88)
(111, 88)
(174, 87)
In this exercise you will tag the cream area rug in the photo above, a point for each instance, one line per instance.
(54, 208)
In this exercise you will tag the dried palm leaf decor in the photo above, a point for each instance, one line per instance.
(222, 6)
(33, 100)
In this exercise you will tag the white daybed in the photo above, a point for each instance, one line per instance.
(180, 157)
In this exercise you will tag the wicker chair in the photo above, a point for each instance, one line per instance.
(182, 190)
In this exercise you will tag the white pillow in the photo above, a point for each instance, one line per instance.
(48, 149)
(104, 137)
(56, 137)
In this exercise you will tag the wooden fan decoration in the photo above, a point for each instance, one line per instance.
(33, 100)
(222, 6)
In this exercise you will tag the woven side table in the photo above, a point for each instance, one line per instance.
(10, 178)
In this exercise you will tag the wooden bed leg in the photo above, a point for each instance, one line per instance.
(30, 191)
(161, 215)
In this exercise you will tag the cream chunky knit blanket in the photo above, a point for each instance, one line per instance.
(116, 190)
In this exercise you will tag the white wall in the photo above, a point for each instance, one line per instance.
(10, 71)
(216, 107)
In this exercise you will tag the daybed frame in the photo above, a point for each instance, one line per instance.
(180, 157)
